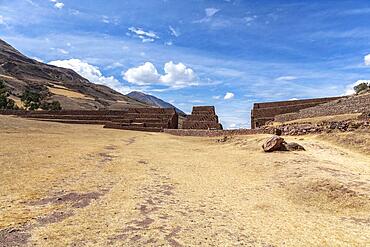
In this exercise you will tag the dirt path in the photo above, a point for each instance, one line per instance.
(65, 185)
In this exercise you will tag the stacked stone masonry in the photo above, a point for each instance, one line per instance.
(202, 118)
(348, 105)
(142, 119)
(265, 112)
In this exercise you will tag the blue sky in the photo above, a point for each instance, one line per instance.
(227, 53)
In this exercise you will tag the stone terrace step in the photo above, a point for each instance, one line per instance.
(135, 128)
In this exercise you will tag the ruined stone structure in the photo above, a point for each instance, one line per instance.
(143, 119)
(202, 117)
(265, 112)
(146, 119)
(348, 105)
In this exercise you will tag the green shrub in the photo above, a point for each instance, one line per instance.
(5, 102)
(361, 87)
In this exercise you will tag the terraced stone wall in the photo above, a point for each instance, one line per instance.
(202, 117)
(265, 112)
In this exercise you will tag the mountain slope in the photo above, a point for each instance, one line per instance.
(72, 90)
(153, 101)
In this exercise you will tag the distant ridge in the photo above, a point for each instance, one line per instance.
(153, 101)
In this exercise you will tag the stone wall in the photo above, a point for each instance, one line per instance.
(143, 119)
(214, 133)
(348, 105)
(265, 112)
(202, 117)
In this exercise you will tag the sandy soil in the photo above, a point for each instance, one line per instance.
(72, 185)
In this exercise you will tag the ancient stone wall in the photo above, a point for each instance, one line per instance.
(264, 112)
(214, 133)
(202, 118)
(143, 119)
(348, 105)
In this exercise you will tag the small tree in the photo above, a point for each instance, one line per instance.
(5, 102)
(361, 87)
(31, 100)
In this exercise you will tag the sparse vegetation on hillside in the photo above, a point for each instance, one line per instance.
(35, 99)
(51, 106)
(361, 87)
(5, 102)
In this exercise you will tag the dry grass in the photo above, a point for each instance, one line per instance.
(59, 90)
(69, 185)
(358, 140)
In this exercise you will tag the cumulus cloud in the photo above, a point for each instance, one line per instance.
(145, 36)
(286, 78)
(367, 60)
(350, 90)
(91, 72)
(145, 74)
(229, 95)
(176, 75)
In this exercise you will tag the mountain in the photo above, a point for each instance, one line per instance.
(64, 85)
(153, 101)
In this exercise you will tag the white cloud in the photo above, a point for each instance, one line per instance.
(38, 59)
(211, 11)
(2, 20)
(176, 75)
(249, 19)
(59, 5)
(145, 74)
(149, 36)
(293, 99)
(63, 51)
(367, 60)
(228, 96)
(349, 88)
(174, 32)
(91, 72)
(216, 97)
(286, 78)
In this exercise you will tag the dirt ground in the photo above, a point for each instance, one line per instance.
(79, 185)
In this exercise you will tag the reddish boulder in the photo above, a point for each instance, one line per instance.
(274, 143)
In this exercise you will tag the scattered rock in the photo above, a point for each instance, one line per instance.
(292, 146)
(277, 132)
(274, 143)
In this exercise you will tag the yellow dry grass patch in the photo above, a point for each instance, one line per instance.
(83, 185)
(67, 93)
(17, 101)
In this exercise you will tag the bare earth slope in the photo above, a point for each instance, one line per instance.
(73, 91)
(68, 185)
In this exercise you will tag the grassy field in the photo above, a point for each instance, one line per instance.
(78, 185)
